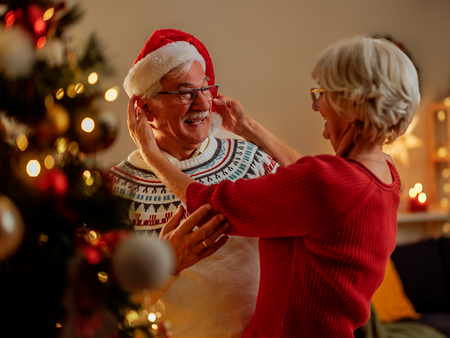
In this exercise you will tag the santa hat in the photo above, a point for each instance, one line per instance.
(163, 51)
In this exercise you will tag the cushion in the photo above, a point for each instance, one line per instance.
(390, 301)
(421, 272)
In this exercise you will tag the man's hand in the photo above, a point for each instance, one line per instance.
(192, 246)
(234, 117)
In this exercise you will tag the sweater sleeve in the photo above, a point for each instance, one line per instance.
(301, 199)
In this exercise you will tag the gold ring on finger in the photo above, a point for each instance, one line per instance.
(204, 243)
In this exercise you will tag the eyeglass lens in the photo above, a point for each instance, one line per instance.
(189, 96)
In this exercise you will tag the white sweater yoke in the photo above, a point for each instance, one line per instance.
(216, 297)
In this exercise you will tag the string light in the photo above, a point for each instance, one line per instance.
(102, 276)
(33, 168)
(87, 125)
(22, 142)
(10, 18)
(61, 145)
(447, 102)
(49, 161)
(442, 152)
(79, 88)
(422, 197)
(441, 115)
(152, 317)
(48, 14)
(412, 193)
(418, 187)
(93, 78)
(41, 43)
(59, 94)
(112, 94)
(71, 92)
(446, 173)
(444, 202)
(155, 327)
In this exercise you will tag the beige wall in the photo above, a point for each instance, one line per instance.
(263, 51)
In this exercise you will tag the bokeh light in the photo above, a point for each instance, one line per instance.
(102, 276)
(49, 161)
(112, 94)
(22, 142)
(441, 115)
(48, 14)
(93, 78)
(71, 92)
(87, 125)
(33, 168)
(446, 173)
(442, 152)
(422, 197)
(152, 317)
(41, 43)
(59, 94)
(418, 187)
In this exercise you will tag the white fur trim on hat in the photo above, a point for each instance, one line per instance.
(158, 63)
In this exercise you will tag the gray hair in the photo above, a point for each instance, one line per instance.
(370, 80)
(180, 70)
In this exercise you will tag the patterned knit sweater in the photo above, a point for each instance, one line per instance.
(327, 227)
(215, 297)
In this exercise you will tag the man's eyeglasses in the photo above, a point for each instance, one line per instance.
(188, 96)
(315, 94)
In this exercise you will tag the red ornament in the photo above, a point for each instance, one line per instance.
(53, 182)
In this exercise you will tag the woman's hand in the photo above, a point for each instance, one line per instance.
(234, 117)
(192, 246)
(140, 130)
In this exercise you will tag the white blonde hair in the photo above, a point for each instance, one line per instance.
(370, 80)
(180, 70)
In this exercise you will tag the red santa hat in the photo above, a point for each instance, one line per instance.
(163, 51)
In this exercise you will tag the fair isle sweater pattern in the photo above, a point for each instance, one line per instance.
(151, 204)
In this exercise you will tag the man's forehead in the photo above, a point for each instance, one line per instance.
(190, 84)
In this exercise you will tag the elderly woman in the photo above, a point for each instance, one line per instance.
(327, 224)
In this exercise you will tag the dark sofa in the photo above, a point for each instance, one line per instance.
(424, 270)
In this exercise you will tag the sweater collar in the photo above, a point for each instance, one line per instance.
(200, 155)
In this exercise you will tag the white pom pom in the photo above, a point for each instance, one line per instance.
(216, 123)
(17, 54)
(142, 262)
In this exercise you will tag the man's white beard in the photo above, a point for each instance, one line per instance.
(215, 124)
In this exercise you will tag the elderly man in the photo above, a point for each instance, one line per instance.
(173, 81)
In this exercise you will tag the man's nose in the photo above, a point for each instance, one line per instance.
(201, 103)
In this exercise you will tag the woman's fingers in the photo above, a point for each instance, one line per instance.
(174, 221)
(194, 218)
(214, 226)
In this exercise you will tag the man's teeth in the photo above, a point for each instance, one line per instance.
(194, 122)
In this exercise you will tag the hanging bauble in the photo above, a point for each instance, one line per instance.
(12, 228)
(55, 124)
(17, 54)
(94, 131)
(59, 117)
(52, 182)
(142, 262)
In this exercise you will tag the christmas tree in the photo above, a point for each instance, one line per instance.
(65, 252)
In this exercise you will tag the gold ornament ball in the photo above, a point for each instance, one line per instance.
(12, 228)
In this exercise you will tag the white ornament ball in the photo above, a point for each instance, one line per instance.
(17, 53)
(142, 262)
(12, 228)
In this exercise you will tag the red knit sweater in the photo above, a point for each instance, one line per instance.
(327, 227)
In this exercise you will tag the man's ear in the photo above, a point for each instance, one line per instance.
(140, 103)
